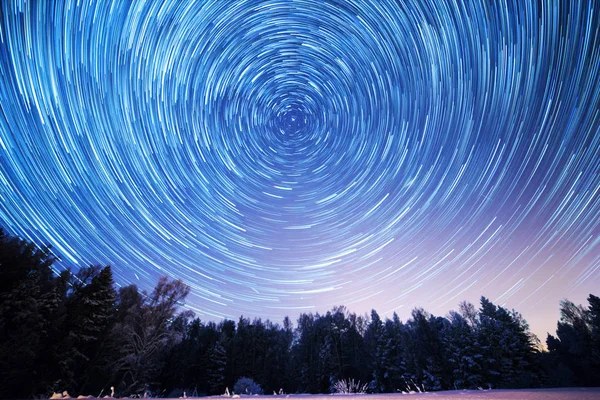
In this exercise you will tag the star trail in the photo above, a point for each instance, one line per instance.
(286, 156)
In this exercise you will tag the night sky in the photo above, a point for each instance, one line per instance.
(287, 156)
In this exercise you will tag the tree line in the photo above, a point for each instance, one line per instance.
(77, 332)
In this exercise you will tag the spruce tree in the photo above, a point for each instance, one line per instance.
(463, 353)
(507, 347)
(593, 314)
(394, 351)
(576, 349)
(89, 319)
(29, 297)
(217, 364)
(375, 341)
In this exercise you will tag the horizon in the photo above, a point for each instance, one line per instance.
(404, 313)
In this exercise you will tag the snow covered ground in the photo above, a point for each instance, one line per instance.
(526, 394)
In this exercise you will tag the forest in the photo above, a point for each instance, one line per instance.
(76, 332)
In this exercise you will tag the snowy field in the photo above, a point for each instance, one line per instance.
(526, 394)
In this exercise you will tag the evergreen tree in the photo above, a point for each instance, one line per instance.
(356, 355)
(243, 356)
(202, 339)
(217, 364)
(327, 371)
(424, 352)
(507, 347)
(283, 356)
(375, 341)
(48, 359)
(394, 350)
(593, 314)
(303, 354)
(228, 329)
(179, 360)
(90, 309)
(574, 352)
(29, 296)
(274, 358)
(463, 353)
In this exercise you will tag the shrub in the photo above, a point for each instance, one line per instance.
(347, 386)
(247, 386)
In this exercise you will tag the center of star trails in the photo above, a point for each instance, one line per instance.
(292, 122)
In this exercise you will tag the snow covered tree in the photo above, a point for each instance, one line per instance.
(463, 353)
(327, 348)
(507, 347)
(193, 355)
(217, 364)
(274, 358)
(576, 349)
(593, 314)
(305, 354)
(375, 341)
(30, 294)
(394, 350)
(90, 309)
(424, 354)
(327, 373)
(242, 352)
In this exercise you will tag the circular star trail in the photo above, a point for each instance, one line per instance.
(282, 156)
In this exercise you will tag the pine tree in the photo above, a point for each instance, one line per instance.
(424, 353)
(217, 364)
(394, 351)
(90, 310)
(178, 361)
(463, 353)
(375, 341)
(326, 366)
(576, 349)
(243, 357)
(357, 356)
(282, 357)
(593, 314)
(305, 354)
(507, 346)
(29, 296)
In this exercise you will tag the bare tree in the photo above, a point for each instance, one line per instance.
(142, 336)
